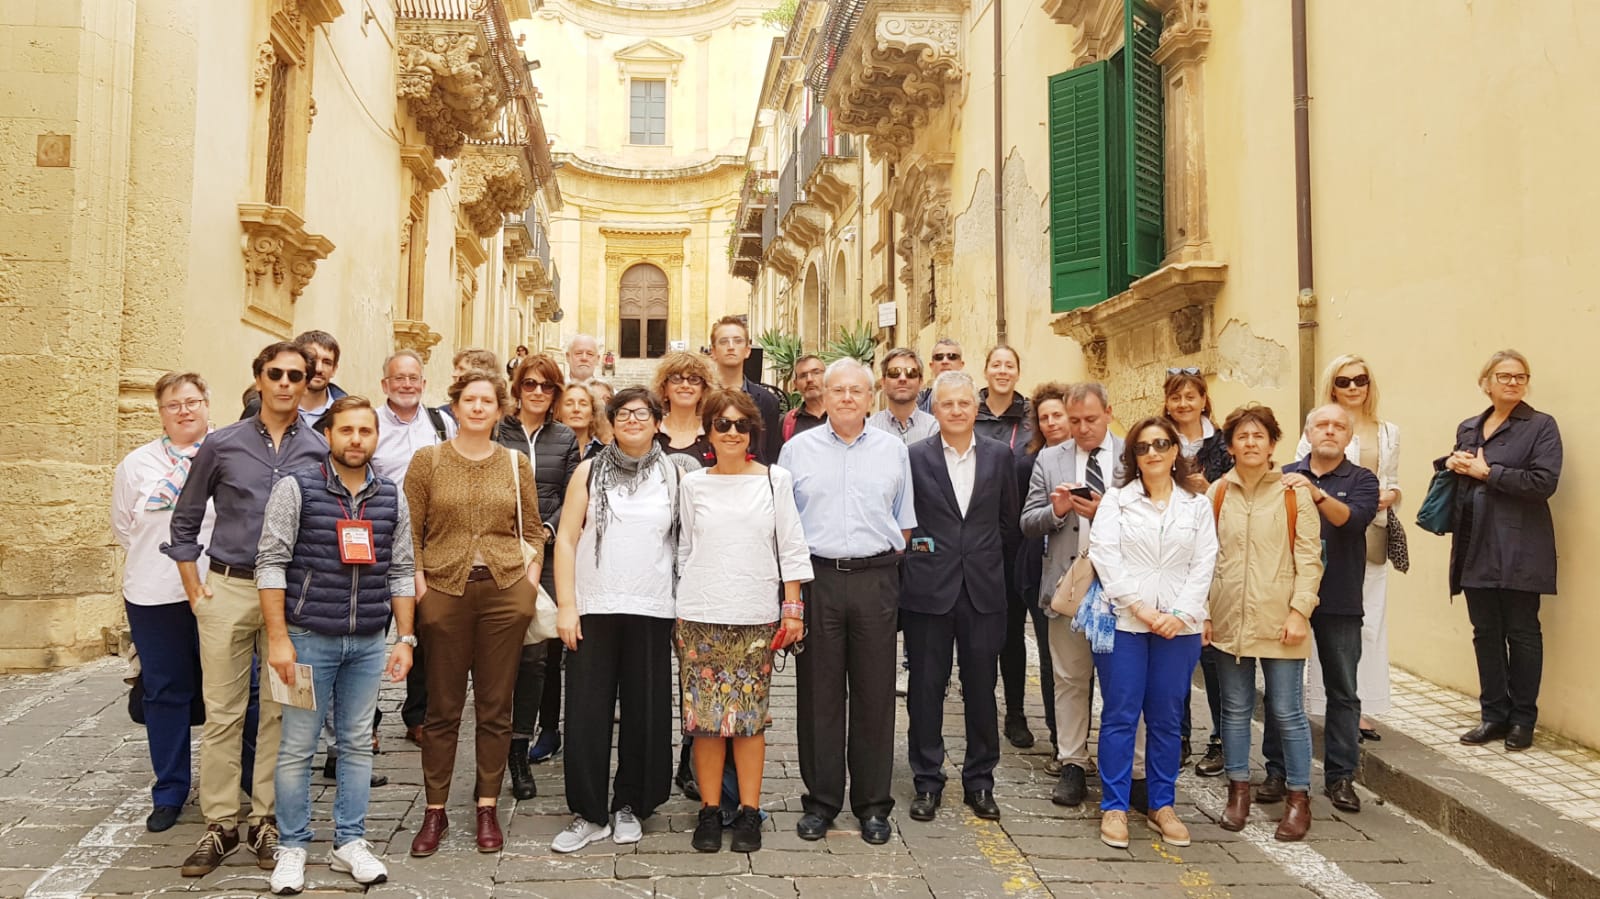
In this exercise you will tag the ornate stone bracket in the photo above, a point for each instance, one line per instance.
(495, 182)
(450, 81)
(417, 336)
(280, 258)
(833, 185)
(903, 61)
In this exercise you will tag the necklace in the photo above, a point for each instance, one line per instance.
(1161, 505)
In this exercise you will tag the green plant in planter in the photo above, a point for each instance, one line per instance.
(858, 343)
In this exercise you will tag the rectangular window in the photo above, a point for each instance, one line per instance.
(647, 112)
(1106, 183)
(277, 131)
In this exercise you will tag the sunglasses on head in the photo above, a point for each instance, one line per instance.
(724, 425)
(910, 374)
(536, 386)
(1159, 445)
(947, 357)
(295, 375)
(1191, 370)
(1343, 382)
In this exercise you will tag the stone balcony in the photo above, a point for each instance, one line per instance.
(902, 61)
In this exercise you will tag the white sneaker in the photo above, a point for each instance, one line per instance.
(356, 859)
(625, 828)
(902, 681)
(289, 877)
(579, 834)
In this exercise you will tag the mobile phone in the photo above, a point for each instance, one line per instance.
(922, 544)
(1082, 492)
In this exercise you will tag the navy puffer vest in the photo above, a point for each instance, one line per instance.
(324, 594)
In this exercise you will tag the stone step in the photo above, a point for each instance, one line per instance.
(631, 373)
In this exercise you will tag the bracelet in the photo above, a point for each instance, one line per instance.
(794, 610)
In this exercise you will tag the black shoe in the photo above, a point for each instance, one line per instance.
(1272, 789)
(1071, 788)
(330, 768)
(875, 830)
(544, 748)
(812, 826)
(1139, 796)
(982, 804)
(1520, 737)
(522, 783)
(1188, 752)
(215, 845)
(1485, 732)
(747, 829)
(1370, 735)
(686, 784)
(1342, 793)
(1210, 765)
(1017, 730)
(162, 817)
(924, 806)
(708, 831)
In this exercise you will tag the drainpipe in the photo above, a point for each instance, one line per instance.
(1306, 300)
(999, 185)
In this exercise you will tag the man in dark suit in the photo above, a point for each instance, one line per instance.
(954, 593)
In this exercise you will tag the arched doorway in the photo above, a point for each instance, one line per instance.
(642, 308)
(811, 310)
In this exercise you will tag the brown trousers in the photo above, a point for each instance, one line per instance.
(479, 632)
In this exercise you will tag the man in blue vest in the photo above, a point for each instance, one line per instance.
(335, 561)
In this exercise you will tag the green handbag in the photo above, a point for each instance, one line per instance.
(1437, 511)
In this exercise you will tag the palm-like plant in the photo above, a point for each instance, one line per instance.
(781, 351)
(856, 342)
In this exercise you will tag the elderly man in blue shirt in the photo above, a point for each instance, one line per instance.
(852, 485)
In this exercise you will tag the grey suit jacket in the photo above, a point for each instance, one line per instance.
(1059, 465)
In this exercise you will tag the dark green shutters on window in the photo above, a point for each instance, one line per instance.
(1142, 141)
(1080, 232)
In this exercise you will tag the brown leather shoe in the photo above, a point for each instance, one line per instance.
(414, 734)
(426, 842)
(1296, 817)
(489, 837)
(1238, 810)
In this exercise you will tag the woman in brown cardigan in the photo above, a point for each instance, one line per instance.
(475, 595)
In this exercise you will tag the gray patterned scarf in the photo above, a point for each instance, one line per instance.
(612, 469)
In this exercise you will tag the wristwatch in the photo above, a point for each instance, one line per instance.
(409, 640)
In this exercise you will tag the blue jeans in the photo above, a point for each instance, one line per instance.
(1286, 708)
(169, 659)
(1339, 647)
(1149, 675)
(347, 669)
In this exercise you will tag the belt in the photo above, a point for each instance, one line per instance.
(238, 571)
(881, 560)
(479, 573)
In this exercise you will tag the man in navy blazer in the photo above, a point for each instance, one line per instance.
(953, 592)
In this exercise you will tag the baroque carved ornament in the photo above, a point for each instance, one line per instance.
(266, 58)
(495, 182)
(903, 61)
(277, 248)
(450, 82)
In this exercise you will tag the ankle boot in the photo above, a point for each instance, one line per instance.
(1238, 811)
(1296, 817)
(522, 785)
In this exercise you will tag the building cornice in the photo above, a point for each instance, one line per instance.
(573, 163)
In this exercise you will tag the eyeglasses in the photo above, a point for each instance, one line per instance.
(405, 379)
(692, 380)
(1189, 370)
(634, 414)
(729, 341)
(1507, 377)
(1158, 445)
(910, 374)
(188, 405)
(1343, 382)
(295, 375)
(841, 390)
(538, 386)
(724, 425)
(947, 357)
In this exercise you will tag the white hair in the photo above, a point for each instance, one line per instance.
(577, 337)
(846, 365)
(402, 354)
(1349, 420)
(954, 380)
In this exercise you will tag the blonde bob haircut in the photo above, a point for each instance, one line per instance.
(1494, 362)
(1369, 409)
(681, 363)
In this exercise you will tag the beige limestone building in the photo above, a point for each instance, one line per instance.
(1114, 192)
(190, 180)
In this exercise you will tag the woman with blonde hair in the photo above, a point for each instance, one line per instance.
(577, 412)
(681, 382)
(1348, 381)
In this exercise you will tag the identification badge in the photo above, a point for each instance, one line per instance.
(355, 542)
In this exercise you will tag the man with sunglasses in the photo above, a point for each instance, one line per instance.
(235, 471)
(946, 357)
(730, 347)
(902, 380)
(320, 390)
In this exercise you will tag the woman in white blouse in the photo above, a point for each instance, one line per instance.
(1375, 446)
(1154, 546)
(144, 488)
(742, 556)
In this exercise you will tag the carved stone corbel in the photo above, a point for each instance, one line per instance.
(416, 336)
(450, 82)
(280, 258)
(495, 182)
(902, 61)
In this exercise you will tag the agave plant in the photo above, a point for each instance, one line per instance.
(781, 351)
(856, 342)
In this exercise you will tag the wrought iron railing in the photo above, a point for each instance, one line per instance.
(787, 185)
(769, 227)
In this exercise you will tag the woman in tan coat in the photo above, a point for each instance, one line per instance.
(1269, 565)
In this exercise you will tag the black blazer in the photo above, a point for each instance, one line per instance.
(974, 551)
(1504, 538)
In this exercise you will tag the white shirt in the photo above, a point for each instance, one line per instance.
(963, 469)
(398, 440)
(736, 534)
(1162, 558)
(1081, 476)
(1191, 448)
(149, 578)
(634, 575)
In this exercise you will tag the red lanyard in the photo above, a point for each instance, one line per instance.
(361, 512)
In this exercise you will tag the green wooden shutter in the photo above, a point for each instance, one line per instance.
(1080, 233)
(1142, 139)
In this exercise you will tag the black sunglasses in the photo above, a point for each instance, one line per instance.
(1160, 445)
(947, 357)
(910, 374)
(724, 425)
(538, 386)
(295, 375)
(1343, 382)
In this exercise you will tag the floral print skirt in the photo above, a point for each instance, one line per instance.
(724, 677)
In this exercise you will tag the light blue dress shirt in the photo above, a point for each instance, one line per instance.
(854, 498)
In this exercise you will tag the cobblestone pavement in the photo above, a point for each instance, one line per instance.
(74, 790)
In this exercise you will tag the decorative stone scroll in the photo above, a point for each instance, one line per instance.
(416, 336)
(495, 182)
(280, 258)
(903, 61)
(450, 82)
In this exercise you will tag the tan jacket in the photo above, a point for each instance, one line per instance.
(1259, 577)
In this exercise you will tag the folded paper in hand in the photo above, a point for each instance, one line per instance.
(302, 695)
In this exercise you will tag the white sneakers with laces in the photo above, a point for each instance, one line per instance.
(579, 833)
(289, 876)
(356, 859)
(625, 826)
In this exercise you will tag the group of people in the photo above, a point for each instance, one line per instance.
(694, 521)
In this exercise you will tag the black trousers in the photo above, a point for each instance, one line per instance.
(415, 708)
(550, 706)
(626, 659)
(1510, 649)
(531, 672)
(976, 638)
(1208, 672)
(1014, 656)
(844, 677)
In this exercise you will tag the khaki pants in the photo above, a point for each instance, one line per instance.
(1072, 662)
(231, 632)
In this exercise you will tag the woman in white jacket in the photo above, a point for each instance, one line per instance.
(1154, 546)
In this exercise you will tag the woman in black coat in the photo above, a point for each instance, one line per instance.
(1503, 545)
(553, 450)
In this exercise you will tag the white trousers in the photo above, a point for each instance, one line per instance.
(1372, 675)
